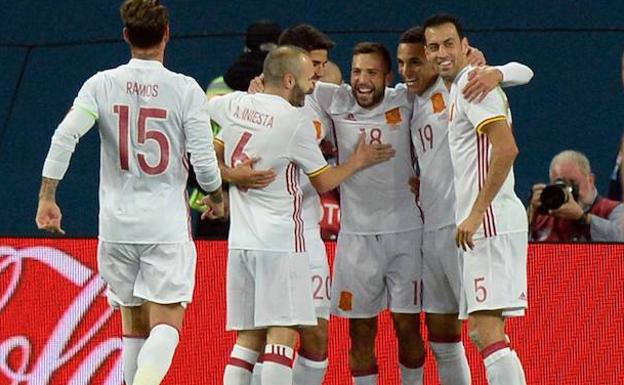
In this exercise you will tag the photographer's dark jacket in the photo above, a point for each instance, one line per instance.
(605, 226)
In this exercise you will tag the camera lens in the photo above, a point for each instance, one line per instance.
(553, 196)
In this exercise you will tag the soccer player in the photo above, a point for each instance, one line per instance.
(311, 362)
(149, 118)
(441, 258)
(378, 259)
(268, 287)
(491, 226)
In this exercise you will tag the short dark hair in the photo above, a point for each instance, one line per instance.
(145, 21)
(281, 61)
(375, 48)
(443, 18)
(306, 37)
(414, 35)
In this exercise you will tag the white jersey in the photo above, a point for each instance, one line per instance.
(312, 209)
(149, 119)
(267, 127)
(377, 199)
(470, 153)
(429, 129)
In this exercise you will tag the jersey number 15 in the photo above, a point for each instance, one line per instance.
(143, 135)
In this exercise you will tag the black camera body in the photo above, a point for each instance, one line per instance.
(556, 194)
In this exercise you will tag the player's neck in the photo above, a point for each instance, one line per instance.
(277, 91)
(430, 84)
(156, 54)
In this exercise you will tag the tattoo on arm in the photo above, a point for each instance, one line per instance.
(48, 189)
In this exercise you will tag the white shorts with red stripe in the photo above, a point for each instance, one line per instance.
(268, 288)
(495, 275)
(377, 272)
(160, 273)
(442, 266)
(319, 271)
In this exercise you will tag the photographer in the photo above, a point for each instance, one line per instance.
(570, 209)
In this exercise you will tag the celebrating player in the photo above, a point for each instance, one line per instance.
(268, 285)
(149, 118)
(491, 226)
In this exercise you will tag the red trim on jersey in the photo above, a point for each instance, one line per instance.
(483, 165)
(240, 364)
(292, 186)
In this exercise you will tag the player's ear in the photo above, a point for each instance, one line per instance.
(465, 44)
(125, 35)
(166, 34)
(389, 78)
(289, 81)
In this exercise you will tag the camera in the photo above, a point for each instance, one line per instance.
(555, 195)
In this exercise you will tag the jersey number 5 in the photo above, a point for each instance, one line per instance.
(143, 135)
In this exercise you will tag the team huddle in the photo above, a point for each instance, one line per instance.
(429, 218)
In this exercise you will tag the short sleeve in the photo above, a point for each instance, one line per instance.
(304, 151)
(87, 96)
(491, 109)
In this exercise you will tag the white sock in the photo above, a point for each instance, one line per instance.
(156, 355)
(131, 348)
(502, 365)
(369, 379)
(453, 366)
(411, 376)
(256, 376)
(276, 364)
(308, 369)
(240, 366)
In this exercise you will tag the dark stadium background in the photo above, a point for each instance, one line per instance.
(48, 48)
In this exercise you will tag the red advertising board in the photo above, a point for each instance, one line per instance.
(56, 327)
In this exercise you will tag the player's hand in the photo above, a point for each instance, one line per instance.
(475, 56)
(49, 217)
(256, 85)
(481, 81)
(245, 176)
(216, 206)
(467, 229)
(414, 184)
(328, 149)
(370, 154)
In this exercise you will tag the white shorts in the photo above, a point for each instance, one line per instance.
(375, 272)
(160, 273)
(268, 288)
(495, 275)
(319, 271)
(442, 263)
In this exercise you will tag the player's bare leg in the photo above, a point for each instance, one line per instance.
(445, 340)
(362, 360)
(278, 355)
(487, 331)
(311, 363)
(135, 329)
(155, 357)
(245, 353)
(411, 347)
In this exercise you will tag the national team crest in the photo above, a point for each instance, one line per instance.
(437, 101)
(393, 116)
(318, 128)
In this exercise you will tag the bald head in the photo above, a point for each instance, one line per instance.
(282, 61)
(332, 74)
(571, 157)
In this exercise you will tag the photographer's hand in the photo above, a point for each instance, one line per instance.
(570, 210)
(535, 203)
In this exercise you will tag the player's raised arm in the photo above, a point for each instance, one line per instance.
(482, 80)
